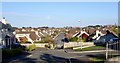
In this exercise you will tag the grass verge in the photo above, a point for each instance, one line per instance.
(91, 48)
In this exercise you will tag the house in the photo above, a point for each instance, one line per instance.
(102, 40)
(82, 34)
(27, 36)
(97, 34)
(34, 34)
(94, 33)
(106, 38)
(72, 32)
(7, 38)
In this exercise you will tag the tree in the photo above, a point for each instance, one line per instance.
(97, 25)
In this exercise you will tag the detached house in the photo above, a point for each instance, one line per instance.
(102, 36)
(27, 36)
(95, 33)
(82, 34)
(107, 37)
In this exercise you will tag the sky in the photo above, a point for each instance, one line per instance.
(60, 14)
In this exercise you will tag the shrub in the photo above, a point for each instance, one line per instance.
(31, 47)
(51, 46)
(76, 39)
(84, 39)
(73, 39)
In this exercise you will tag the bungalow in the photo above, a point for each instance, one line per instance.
(95, 33)
(82, 34)
(103, 39)
(27, 36)
(73, 32)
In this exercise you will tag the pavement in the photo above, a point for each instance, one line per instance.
(88, 51)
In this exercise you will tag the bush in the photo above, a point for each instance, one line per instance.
(73, 39)
(76, 39)
(13, 52)
(39, 42)
(31, 47)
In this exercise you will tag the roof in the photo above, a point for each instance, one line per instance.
(33, 36)
(23, 39)
(7, 36)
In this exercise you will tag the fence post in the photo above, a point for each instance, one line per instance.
(106, 50)
(81, 46)
(10, 43)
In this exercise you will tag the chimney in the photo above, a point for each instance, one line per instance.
(4, 21)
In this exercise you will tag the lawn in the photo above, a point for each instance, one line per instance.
(97, 58)
(91, 48)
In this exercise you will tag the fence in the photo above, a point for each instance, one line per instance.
(112, 49)
(80, 44)
(66, 45)
(37, 45)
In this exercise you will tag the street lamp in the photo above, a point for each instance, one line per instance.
(81, 36)
(80, 26)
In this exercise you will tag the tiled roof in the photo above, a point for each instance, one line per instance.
(33, 36)
(23, 39)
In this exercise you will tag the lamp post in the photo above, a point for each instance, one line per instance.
(80, 26)
(81, 35)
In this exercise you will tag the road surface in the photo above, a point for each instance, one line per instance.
(42, 55)
(58, 40)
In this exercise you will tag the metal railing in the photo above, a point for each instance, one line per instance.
(112, 49)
